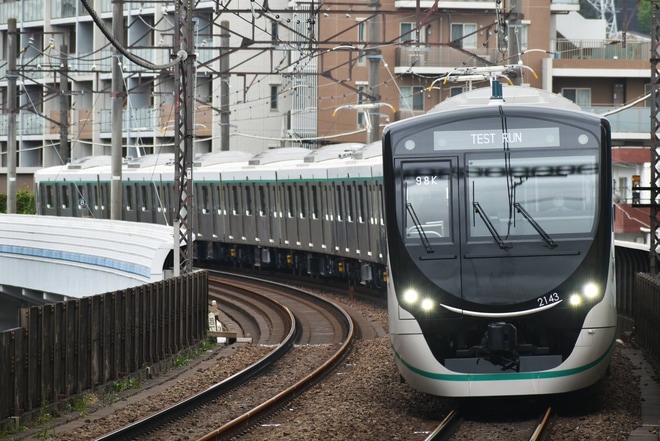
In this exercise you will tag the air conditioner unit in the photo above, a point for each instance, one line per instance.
(416, 60)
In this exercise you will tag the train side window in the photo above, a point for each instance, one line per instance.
(144, 198)
(361, 203)
(66, 196)
(315, 202)
(50, 190)
(248, 200)
(340, 203)
(262, 200)
(289, 200)
(219, 192)
(103, 196)
(303, 202)
(328, 206)
(236, 208)
(381, 202)
(205, 200)
(130, 200)
(350, 216)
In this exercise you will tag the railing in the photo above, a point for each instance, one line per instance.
(647, 314)
(22, 11)
(602, 50)
(444, 56)
(27, 123)
(65, 348)
(631, 120)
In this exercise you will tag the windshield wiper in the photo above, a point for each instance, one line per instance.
(420, 230)
(490, 226)
(551, 243)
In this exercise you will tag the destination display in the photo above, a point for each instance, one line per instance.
(496, 139)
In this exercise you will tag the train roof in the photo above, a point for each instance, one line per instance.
(222, 157)
(333, 151)
(511, 95)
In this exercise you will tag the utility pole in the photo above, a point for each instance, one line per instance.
(64, 106)
(11, 110)
(184, 80)
(655, 126)
(224, 85)
(374, 57)
(117, 107)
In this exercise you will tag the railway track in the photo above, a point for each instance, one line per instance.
(313, 335)
(524, 429)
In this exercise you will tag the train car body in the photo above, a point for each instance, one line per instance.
(312, 211)
(499, 229)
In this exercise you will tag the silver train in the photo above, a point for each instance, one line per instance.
(310, 211)
(501, 255)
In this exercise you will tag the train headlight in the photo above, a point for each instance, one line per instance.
(410, 296)
(427, 304)
(590, 290)
(575, 300)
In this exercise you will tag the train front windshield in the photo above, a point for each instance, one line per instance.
(524, 195)
(530, 195)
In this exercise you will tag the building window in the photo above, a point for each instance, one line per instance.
(412, 98)
(274, 31)
(453, 91)
(464, 35)
(362, 39)
(274, 92)
(409, 35)
(580, 96)
(519, 33)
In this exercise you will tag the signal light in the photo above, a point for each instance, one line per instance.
(340, 267)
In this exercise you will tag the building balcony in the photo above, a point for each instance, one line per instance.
(27, 124)
(23, 11)
(632, 123)
(434, 59)
(610, 58)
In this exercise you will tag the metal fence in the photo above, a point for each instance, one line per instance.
(647, 314)
(63, 349)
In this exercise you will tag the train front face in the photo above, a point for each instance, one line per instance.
(499, 224)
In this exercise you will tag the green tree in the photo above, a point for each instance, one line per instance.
(644, 17)
(25, 203)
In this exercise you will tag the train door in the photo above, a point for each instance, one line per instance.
(341, 244)
(204, 217)
(65, 202)
(362, 219)
(220, 211)
(249, 220)
(48, 199)
(102, 206)
(262, 214)
(351, 219)
(289, 233)
(129, 207)
(318, 239)
(275, 223)
(235, 231)
(144, 208)
(378, 223)
(328, 217)
(301, 192)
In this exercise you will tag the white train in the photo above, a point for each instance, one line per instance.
(499, 232)
(501, 255)
(312, 211)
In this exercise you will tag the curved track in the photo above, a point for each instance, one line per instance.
(282, 313)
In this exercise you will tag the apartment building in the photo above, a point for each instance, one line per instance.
(309, 74)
